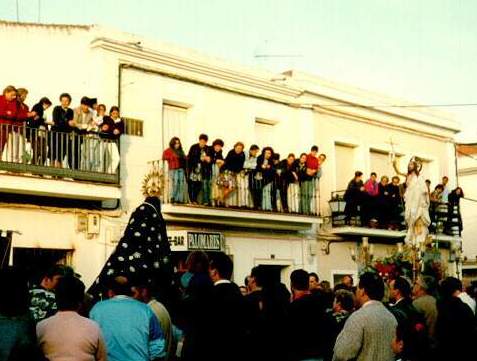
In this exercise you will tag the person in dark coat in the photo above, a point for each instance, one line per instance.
(144, 248)
(36, 131)
(412, 321)
(456, 325)
(199, 166)
(382, 203)
(228, 319)
(307, 320)
(354, 196)
(62, 125)
(454, 215)
(395, 202)
(266, 173)
(267, 304)
(288, 175)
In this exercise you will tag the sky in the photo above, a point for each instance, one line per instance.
(420, 50)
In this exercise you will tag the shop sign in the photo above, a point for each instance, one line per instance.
(181, 241)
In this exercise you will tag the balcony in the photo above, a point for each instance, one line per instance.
(239, 200)
(54, 164)
(445, 226)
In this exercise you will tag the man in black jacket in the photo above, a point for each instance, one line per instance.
(228, 321)
(199, 166)
(412, 322)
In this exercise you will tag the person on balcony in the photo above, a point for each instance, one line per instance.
(308, 187)
(232, 168)
(369, 205)
(111, 129)
(266, 174)
(249, 186)
(354, 196)
(302, 177)
(435, 201)
(454, 218)
(176, 163)
(36, 131)
(62, 125)
(77, 148)
(8, 116)
(382, 202)
(17, 137)
(217, 180)
(395, 203)
(288, 176)
(445, 190)
(199, 166)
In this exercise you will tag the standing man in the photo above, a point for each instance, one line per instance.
(425, 303)
(228, 324)
(354, 196)
(314, 282)
(42, 298)
(130, 329)
(455, 326)
(143, 292)
(368, 333)
(67, 333)
(200, 170)
(307, 317)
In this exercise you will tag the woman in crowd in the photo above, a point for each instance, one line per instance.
(217, 161)
(36, 131)
(354, 196)
(288, 177)
(395, 203)
(8, 115)
(266, 169)
(246, 179)
(16, 140)
(176, 162)
(302, 177)
(62, 125)
(233, 166)
(112, 129)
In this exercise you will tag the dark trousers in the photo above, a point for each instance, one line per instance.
(194, 190)
(284, 194)
(74, 151)
(255, 187)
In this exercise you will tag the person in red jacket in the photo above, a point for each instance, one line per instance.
(23, 115)
(8, 114)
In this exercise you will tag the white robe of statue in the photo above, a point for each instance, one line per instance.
(416, 199)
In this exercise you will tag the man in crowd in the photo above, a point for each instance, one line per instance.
(314, 282)
(200, 170)
(228, 321)
(368, 332)
(425, 303)
(455, 326)
(335, 319)
(412, 321)
(67, 333)
(42, 298)
(130, 328)
(369, 205)
(307, 314)
(445, 191)
(143, 292)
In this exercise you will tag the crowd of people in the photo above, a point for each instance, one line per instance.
(82, 138)
(380, 204)
(254, 180)
(212, 318)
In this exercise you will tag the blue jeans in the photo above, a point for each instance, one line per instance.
(177, 177)
(206, 187)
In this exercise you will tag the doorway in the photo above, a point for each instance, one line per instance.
(36, 261)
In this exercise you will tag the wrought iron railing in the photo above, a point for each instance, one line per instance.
(245, 190)
(445, 217)
(76, 155)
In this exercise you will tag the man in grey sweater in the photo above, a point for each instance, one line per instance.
(368, 333)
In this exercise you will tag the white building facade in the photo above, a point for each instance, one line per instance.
(166, 91)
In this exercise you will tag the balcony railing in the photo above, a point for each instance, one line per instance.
(246, 190)
(445, 218)
(76, 155)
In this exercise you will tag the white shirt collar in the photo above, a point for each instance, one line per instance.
(220, 282)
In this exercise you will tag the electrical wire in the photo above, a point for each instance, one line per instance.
(400, 105)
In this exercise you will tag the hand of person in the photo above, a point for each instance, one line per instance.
(105, 128)
(116, 132)
(362, 189)
(207, 159)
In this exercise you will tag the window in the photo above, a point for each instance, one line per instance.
(265, 133)
(133, 127)
(174, 123)
(380, 162)
(344, 163)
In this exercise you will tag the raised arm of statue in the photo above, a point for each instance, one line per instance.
(396, 169)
